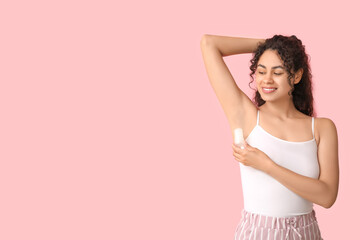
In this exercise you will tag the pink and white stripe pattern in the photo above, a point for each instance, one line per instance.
(254, 226)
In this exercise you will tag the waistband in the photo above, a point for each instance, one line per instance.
(279, 222)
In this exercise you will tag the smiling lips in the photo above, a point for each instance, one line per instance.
(268, 90)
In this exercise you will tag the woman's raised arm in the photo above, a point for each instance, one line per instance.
(237, 106)
(232, 45)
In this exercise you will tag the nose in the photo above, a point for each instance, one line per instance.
(268, 78)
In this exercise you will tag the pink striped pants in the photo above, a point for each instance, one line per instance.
(261, 227)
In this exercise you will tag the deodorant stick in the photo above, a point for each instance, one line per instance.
(239, 138)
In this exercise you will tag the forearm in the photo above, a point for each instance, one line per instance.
(308, 188)
(232, 45)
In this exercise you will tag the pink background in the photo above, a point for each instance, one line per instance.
(111, 130)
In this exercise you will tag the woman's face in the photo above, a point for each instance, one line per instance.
(271, 73)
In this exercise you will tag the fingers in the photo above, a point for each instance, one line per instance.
(237, 153)
(237, 148)
(239, 158)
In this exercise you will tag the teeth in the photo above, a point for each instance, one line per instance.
(269, 88)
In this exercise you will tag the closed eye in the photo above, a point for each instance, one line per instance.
(274, 73)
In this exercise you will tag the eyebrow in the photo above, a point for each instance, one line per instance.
(260, 65)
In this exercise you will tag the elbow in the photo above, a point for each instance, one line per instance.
(205, 39)
(330, 202)
(329, 197)
(327, 205)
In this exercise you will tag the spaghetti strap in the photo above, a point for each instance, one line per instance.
(257, 121)
(312, 127)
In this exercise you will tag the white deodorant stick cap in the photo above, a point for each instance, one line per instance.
(239, 137)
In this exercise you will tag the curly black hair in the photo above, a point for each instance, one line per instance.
(292, 53)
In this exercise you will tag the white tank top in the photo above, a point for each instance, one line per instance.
(262, 193)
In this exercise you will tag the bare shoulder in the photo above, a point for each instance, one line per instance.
(326, 128)
(326, 123)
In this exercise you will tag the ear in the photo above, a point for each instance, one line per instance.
(298, 75)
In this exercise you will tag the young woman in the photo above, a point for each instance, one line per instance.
(290, 159)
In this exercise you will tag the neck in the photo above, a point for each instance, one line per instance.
(280, 109)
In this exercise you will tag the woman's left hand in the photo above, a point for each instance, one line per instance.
(253, 157)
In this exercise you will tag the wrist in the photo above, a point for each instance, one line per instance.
(269, 166)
